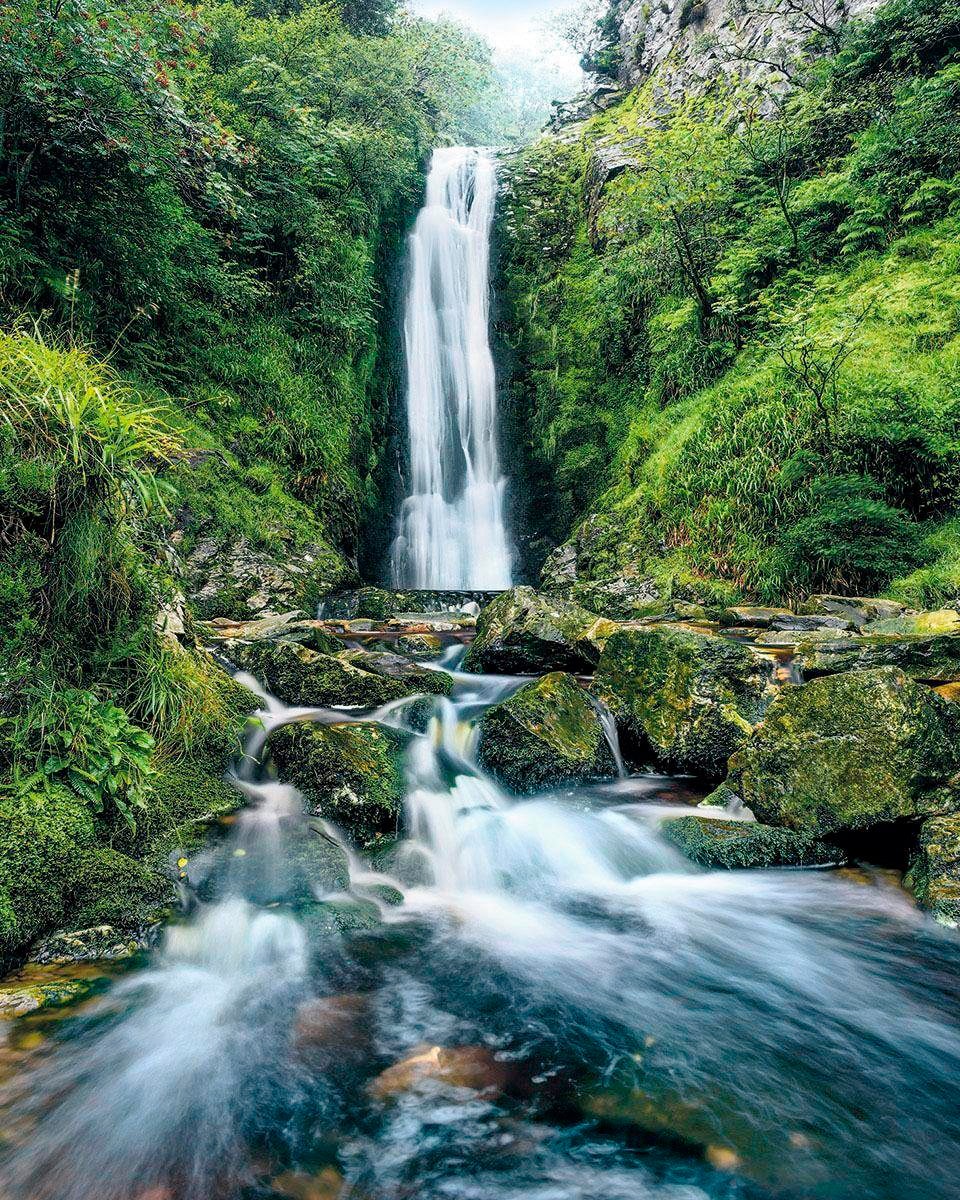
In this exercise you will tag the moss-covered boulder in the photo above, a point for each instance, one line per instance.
(545, 734)
(689, 700)
(934, 875)
(851, 751)
(923, 624)
(859, 610)
(420, 646)
(351, 775)
(301, 676)
(45, 840)
(114, 889)
(739, 845)
(931, 658)
(524, 632)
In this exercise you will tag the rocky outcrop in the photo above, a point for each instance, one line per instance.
(722, 845)
(546, 734)
(933, 659)
(848, 752)
(351, 775)
(934, 875)
(237, 580)
(524, 632)
(688, 699)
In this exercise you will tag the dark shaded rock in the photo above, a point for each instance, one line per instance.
(739, 845)
(859, 610)
(524, 632)
(751, 616)
(689, 698)
(351, 775)
(545, 734)
(932, 659)
(847, 752)
(804, 624)
(934, 875)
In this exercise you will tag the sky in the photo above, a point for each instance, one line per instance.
(507, 24)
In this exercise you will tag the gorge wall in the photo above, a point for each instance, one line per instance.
(726, 296)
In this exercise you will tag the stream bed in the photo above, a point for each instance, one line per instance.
(547, 1003)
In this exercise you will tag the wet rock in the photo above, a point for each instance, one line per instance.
(859, 610)
(331, 918)
(687, 698)
(809, 624)
(945, 620)
(850, 751)
(524, 632)
(739, 845)
(290, 627)
(351, 775)
(545, 734)
(420, 645)
(300, 676)
(752, 617)
(101, 943)
(237, 580)
(930, 658)
(19, 998)
(934, 875)
(327, 1184)
(331, 1025)
(472, 1067)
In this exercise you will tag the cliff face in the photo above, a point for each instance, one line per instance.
(690, 42)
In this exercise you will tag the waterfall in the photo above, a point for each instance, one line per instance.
(452, 532)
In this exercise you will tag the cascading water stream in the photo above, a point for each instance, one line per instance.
(452, 530)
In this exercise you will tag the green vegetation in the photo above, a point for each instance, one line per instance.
(200, 220)
(738, 359)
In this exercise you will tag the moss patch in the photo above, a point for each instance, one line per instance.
(739, 845)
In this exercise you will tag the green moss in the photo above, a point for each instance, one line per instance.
(351, 775)
(690, 699)
(45, 841)
(850, 751)
(113, 889)
(523, 631)
(545, 734)
(742, 845)
(934, 875)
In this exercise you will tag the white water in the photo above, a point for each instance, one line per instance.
(452, 532)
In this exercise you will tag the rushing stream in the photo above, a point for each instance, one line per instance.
(560, 1009)
(452, 531)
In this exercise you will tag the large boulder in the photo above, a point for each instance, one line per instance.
(524, 632)
(547, 733)
(298, 675)
(846, 752)
(933, 658)
(351, 775)
(739, 845)
(859, 610)
(934, 875)
(688, 699)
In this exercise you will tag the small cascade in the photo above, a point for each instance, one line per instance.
(452, 529)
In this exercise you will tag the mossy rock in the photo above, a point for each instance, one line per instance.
(934, 875)
(690, 700)
(945, 620)
(847, 752)
(420, 646)
(333, 917)
(301, 676)
(524, 632)
(932, 659)
(547, 733)
(45, 840)
(860, 610)
(18, 999)
(351, 775)
(740, 845)
(113, 889)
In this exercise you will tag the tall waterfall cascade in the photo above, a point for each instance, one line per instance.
(452, 532)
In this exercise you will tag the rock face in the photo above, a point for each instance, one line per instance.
(351, 775)
(850, 751)
(689, 699)
(740, 845)
(238, 581)
(934, 875)
(301, 676)
(933, 659)
(547, 733)
(860, 610)
(523, 632)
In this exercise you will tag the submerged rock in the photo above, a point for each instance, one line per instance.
(739, 845)
(850, 751)
(524, 632)
(689, 699)
(351, 775)
(934, 875)
(547, 733)
(473, 1067)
